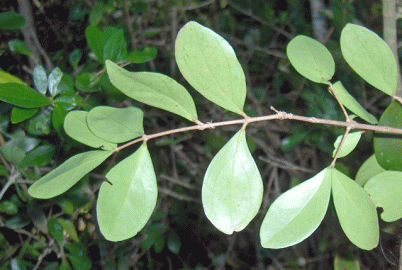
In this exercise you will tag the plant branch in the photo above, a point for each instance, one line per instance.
(331, 89)
(279, 115)
(348, 129)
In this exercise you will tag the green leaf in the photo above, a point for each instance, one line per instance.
(368, 169)
(370, 57)
(8, 207)
(58, 115)
(349, 144)
(40, 156)
(22, 96)
(67, 174)
(311, 59)
(96, 40)
(54, 80)
(297, 213)
(116, 125)
(75, 125)
(40, 124)
(154, 89)
(75, 57)
(11, 20)
(388, 147)
(351, 103)
(385, 190)
(173, 242)
(232, 188)
(115, 47)
(87, 82)
(209, 64)
(40, 79)
(69, 227)
(56, 230)
(346, 260)
(144, 55)
(20, 114)
(125, 207)
(96, 13)
(6, 77)
(12, 153)
(356, 211)
(77, 254)
(18, 46)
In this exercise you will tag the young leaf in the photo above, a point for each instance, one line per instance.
(385, 190)
(232, 188)
(209, 64)
(96, 40)
(114, 124)
(368, 169)
(22, 96)
(370, 57)
(388, 147)
(67, 174)
(54, 80)
(311, 59)
(154, 89)
(75, 125)
(356, 211)
(40, 79)
(125, 207)
(297, 213)
(349, 144)
(351, 103)
(20, 114)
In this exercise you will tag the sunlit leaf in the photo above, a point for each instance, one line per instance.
(209, 64)
(356, 211)
(311, 59)
(125, 207)
(367, 170)
(385, 190)
(116, 125)
(349, 144)
(351, 103)
(297, 213)
(232, 188)
(154, 89)
(370, 57)
(75, 125)
(22, 96)
(6, 77)
(67, 174)
(40, 79)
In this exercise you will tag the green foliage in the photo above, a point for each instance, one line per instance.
(11, 20)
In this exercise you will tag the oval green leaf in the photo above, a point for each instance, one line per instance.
(54, 80)
(385, 190)
(96, 40)
(67, 174)
(388, 147)
(351, 103)
(40, 79)
(18, 46)
(370, 57)
(116, 125)
(22, 96)
(368, 169)
(349, 144)
(311, 59)
(75, 125)
(356, 211)
(154, 89)
(209, 64)
(125, 207)
(232, 188)
(297, 213)
(21, 114)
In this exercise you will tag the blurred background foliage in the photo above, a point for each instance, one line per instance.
(65, 36)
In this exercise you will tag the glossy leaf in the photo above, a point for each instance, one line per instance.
(154, 89)
(22, 96)
(96, 40)
(388, 147)
(125, 207)
(20, 114)
(67, 174)
(209, 64)
(311, 59)
(11, 20)
(370, 57)
(115, 47)
(385, 190)
(351, 103)
(297, 213)
(356, 211)
(367, 170)
(116, 125)
(6, 77)
(18, 46)
(75, 125)
(232, 188)
(40, 79)
(144, 55)
(349, 144)
(54, 80)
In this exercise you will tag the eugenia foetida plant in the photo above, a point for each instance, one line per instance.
(232, 189)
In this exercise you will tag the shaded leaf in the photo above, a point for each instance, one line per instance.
(346, 260)
(11, 20)
(297, 213)
(54, 80)
(12, 153)
(368, 169)
(75, 57)
(69, 227)
(56, 230)
(116, 125)
(356, 211)
(232, 188)
(209, 64)
(22, 96)
(18, 46)
(125, 207)
(77, 254)
(40, 156)
(40, 79)
(154, 89)
(115, 48)
(349, 144)
(370, 57)
(96, 13)
(87, 82)
(20, 114)
(143, 55)
(40, 124)
(67, 174)
(96, 40)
